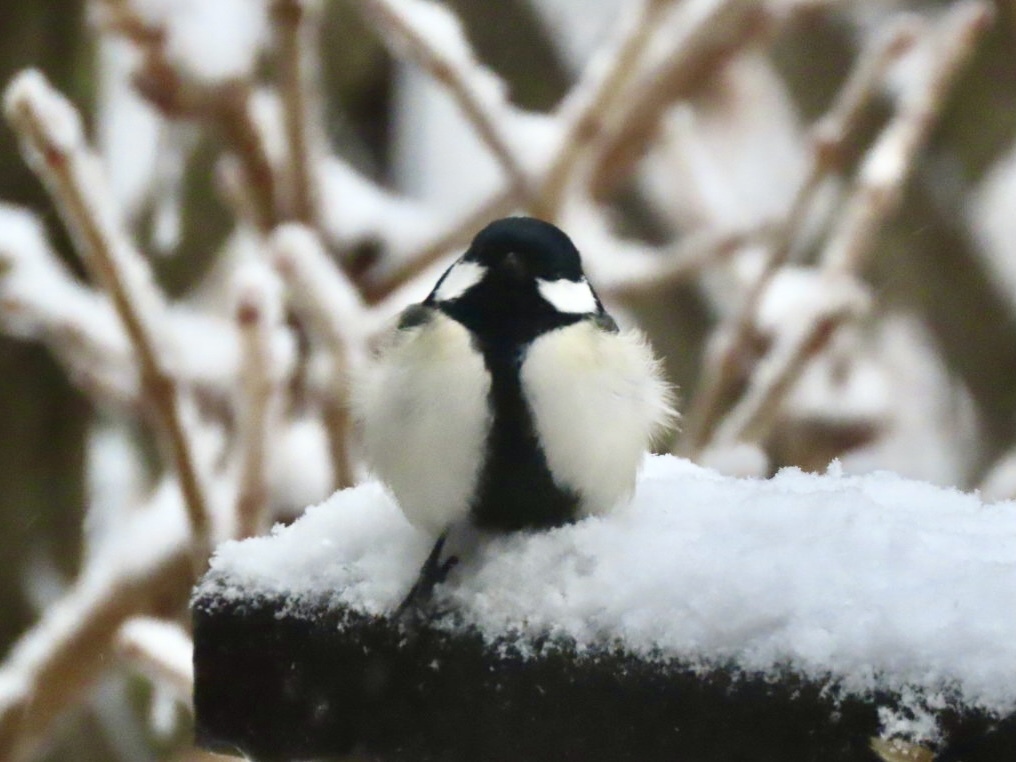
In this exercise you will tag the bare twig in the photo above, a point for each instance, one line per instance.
(258, 312)
(296, 24)
(752, 417)
(682, 261)
(710, 39)
(378, 284)
(888, 164)
(50, 132)
(407, 26)
(199, 755)
(233, 188)
(722, 372)
(592, 100)
(234, 116)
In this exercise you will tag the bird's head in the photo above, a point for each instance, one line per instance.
(519, 278)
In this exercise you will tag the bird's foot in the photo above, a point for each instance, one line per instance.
(433, 572)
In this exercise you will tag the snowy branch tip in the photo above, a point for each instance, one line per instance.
(33, 106)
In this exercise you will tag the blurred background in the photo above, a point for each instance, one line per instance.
(914, 370)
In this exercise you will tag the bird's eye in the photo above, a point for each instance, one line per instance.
(569, 296)
(514, 265)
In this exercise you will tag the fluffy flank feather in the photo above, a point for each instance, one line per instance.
(599, 402)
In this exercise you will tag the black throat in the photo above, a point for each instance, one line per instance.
(516, 490)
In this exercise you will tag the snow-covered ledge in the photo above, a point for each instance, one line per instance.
(714, 618)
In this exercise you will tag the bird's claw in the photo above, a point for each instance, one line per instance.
(432, 573)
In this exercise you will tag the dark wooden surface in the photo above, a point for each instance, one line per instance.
(322, 684)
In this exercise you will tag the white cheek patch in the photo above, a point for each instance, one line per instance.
(459, 279)
(572, 297)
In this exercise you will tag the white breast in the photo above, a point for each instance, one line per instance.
(598, 400)
(423, 408)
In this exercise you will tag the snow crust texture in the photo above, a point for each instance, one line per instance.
(870, 582)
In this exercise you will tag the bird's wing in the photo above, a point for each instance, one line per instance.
(423, 408)
(598, 399)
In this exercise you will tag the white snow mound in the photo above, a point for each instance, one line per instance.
(871, 581)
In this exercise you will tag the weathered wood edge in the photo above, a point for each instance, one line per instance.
(277, 683)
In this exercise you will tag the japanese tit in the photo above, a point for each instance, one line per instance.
(508, 399)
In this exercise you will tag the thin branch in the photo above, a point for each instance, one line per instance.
(722, 372)
(591, 101)
(708, 40)
(228, 105)
(378, 284)
(233, 188)
(105, 375)
(753, 416)
(888, 164)
(234, 115)
(684, 260)
(296, 24)
(877, 193)
(200, 755)
(40, 299)
(50, 131)
(258, 314)
(431, 36)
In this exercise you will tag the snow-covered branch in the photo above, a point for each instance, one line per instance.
(876, 193)
(147, 571)
(890, 160)
(53, 142)
(721, 372)
(591, 101)
(297, 25)
(707, 35)
(210, 84)
(431, 36)
(258, 314)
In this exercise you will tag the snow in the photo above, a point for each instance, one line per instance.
(354, 209)
(440, 156)
(39, 298)
(922, 403)
(127, 128)
(734, 158)
(147, 635)
(578, 27)
(30, 92)
(318, 287)
(299, 467)
(211, 40)
(990, 217)
(870, 581)
(115, 481)
(1000, 482)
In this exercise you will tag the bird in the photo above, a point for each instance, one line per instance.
(508, 399)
